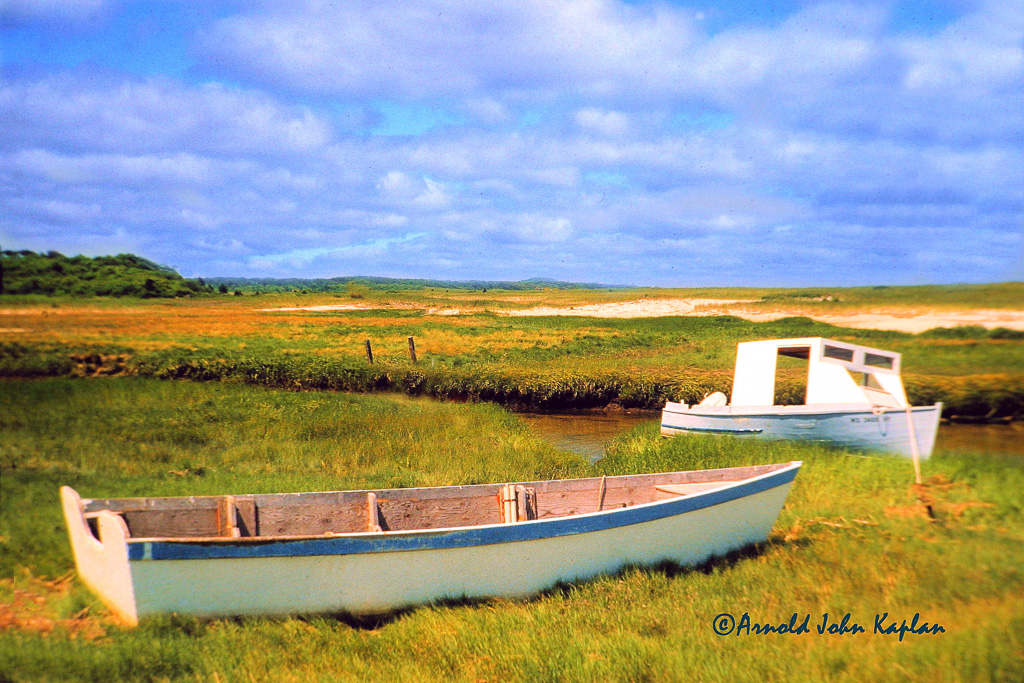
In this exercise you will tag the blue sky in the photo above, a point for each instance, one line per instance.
(771, 143)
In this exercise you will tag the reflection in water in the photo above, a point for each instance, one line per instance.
(586, 433)
(589, 432)
(991, 439)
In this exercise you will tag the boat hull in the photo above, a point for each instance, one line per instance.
(853, 427)
(370, 573)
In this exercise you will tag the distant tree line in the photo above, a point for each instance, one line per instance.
(26, 272)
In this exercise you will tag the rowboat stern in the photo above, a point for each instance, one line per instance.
(102, 563)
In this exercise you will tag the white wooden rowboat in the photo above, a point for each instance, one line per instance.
(855, 398)
(366, 552)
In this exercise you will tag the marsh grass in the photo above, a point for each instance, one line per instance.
(853, 538)
(551, 362)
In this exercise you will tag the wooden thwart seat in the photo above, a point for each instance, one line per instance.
(373, 512)
(227, 517)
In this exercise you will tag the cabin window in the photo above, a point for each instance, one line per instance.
(791, 369)
(866, 379)
(839, 353)
(877, 360)
(802, 352)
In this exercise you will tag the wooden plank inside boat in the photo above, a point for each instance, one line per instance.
(401, 514)
(312, 520)
(173, 523)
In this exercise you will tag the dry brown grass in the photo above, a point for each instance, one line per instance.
(33, 605)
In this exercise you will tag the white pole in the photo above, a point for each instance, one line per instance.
(913, 446)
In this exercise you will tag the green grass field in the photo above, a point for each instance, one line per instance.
(853, 538)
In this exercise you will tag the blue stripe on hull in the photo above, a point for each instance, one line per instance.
(455, 538)
(855, 429)
(716, 430)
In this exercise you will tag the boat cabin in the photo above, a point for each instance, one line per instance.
(837, 372)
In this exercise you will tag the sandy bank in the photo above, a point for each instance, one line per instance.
(908, 320)
(642, 308)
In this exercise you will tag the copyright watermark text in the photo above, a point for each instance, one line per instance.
(726, 624)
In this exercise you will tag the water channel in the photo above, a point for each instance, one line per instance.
(589, 432)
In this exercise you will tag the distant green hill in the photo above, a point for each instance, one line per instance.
(394, 284)
(26, 272)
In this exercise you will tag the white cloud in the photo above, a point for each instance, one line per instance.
(531, 227)
(607, 123)
(423, 193)
(119, 169)
(435, 196)
(157, 115)
(488, 111)
(397, 185)
(61, 211)
(982, 51)
(415, 48)
(370, 247)
(63, 12)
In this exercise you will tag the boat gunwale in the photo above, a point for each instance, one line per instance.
(355, 543)
(91, 505)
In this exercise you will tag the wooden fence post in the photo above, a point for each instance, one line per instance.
(412, 349)
(369, 353)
